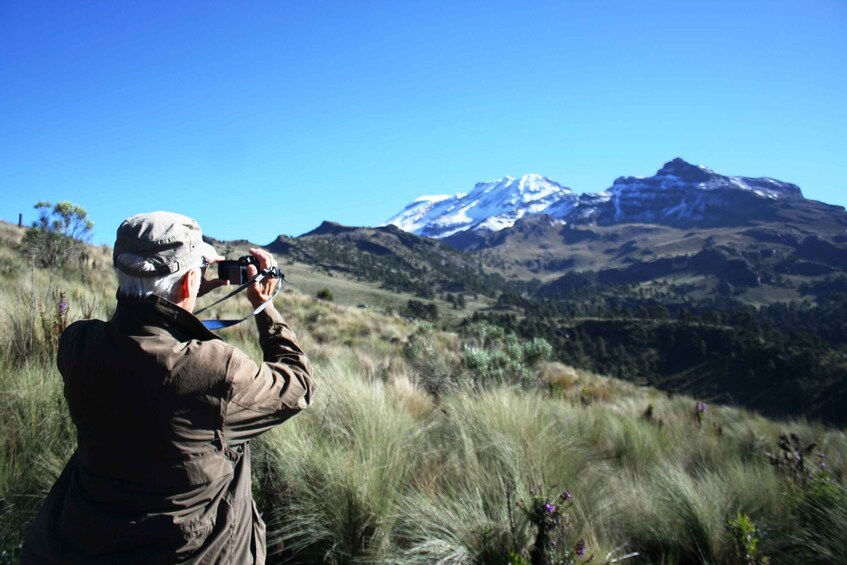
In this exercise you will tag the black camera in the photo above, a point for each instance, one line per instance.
(235, 271)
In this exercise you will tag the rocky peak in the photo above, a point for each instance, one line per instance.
(685, 171)
(330, 228)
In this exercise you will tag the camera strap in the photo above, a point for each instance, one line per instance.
(272, 273)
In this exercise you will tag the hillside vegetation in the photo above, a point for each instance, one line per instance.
(472, 446)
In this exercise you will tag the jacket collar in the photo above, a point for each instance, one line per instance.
(154, 314)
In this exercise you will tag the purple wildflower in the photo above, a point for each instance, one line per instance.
(580, 548)
(700, 411)
(63, 305)
(550, 508)
(565, 496)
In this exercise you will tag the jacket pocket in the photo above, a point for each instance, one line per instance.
(259, 531)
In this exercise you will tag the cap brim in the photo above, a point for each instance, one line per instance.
(207, 251)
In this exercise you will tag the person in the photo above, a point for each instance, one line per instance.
(164, 412)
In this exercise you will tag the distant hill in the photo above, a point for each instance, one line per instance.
(390, 258)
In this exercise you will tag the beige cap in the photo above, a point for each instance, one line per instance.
(158, 244)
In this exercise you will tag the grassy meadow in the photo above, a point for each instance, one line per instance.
(433, 446)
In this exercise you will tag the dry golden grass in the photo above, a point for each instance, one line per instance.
(558, 375)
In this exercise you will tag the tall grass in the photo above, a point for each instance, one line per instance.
(409, 456)
(345, 465)
(37, 439)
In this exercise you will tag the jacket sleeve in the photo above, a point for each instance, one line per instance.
(265, 395)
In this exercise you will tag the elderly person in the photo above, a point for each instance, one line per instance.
(164, 411)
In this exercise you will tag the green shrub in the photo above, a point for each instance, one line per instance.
(436, 371)
(744, 534)
(493, 357)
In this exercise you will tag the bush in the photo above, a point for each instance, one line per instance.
(436, 373)
(325, 294)
(493, 357)
(416, 309)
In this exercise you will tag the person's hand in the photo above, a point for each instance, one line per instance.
(260, 292)
(207, 286)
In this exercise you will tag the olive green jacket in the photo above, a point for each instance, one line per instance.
(164, 411)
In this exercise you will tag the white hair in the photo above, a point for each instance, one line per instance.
(141, 287)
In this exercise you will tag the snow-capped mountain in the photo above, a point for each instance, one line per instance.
(678, 194)
(489, 206)
(682, 193)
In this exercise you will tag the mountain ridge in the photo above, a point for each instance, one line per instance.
(678, 194)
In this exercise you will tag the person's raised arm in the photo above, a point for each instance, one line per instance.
(266, 394)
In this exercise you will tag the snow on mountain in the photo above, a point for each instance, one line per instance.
(679, 192)
(490, 205)
(678, 173)
(412, 217)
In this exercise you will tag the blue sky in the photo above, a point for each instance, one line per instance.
(266, 118)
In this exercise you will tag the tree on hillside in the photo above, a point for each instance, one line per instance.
(58, 234)
(422, 311)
